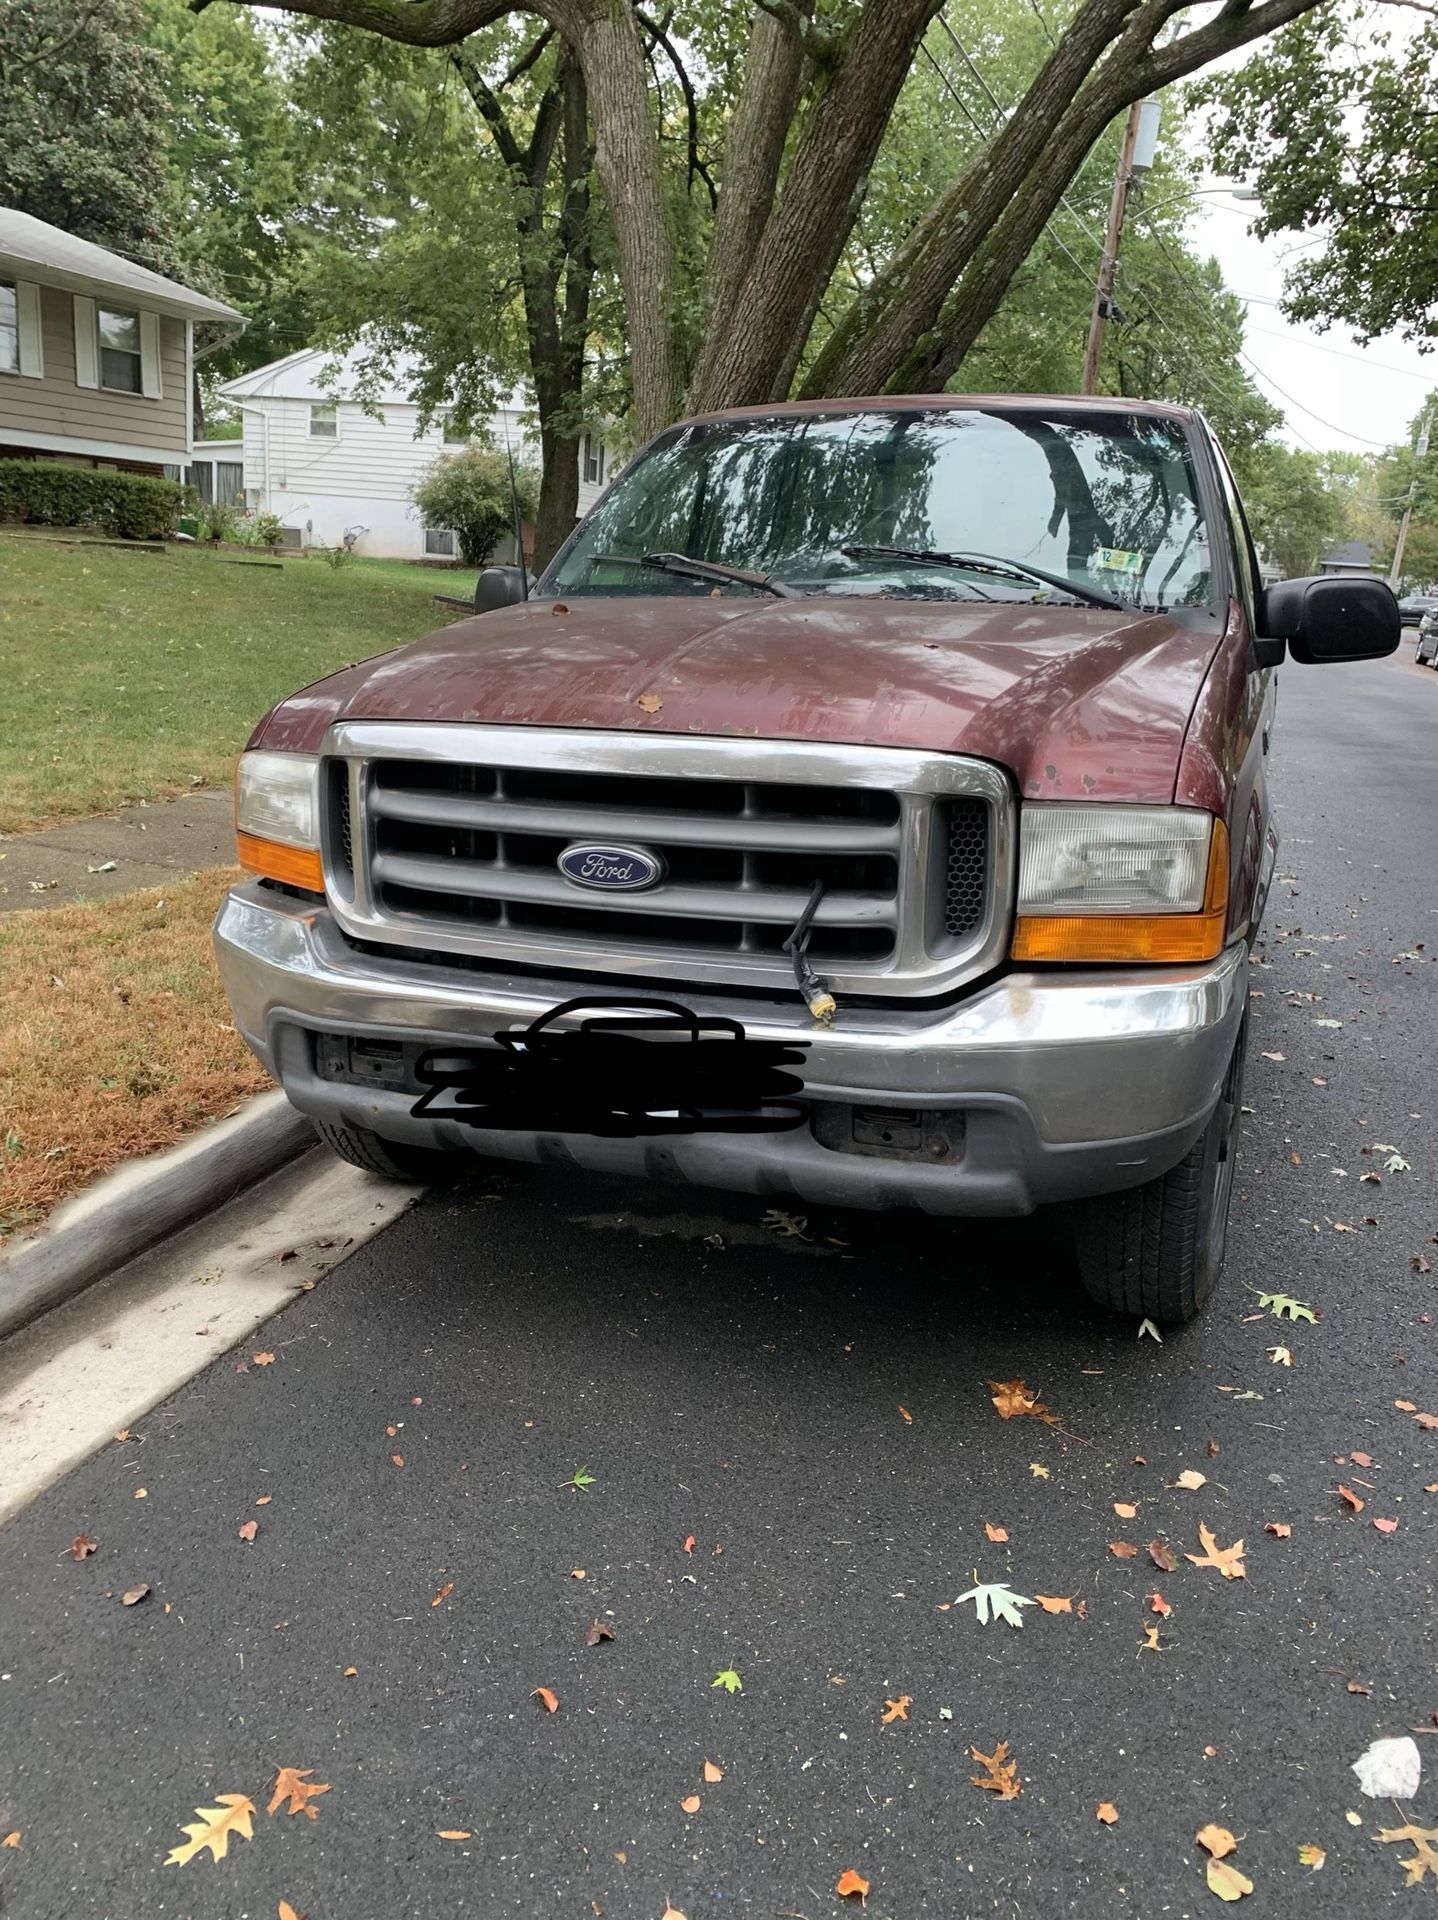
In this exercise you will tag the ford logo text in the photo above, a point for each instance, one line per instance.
(612, 869)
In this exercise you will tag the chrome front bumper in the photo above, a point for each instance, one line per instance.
(1065, 1084)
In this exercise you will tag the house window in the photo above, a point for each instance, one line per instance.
(9, 328)
(440, 541)
(324, 420)
(593, 461)
(120, 350)
(454, 433)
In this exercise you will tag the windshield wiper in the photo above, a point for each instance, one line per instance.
(987, 563)
(680, 563)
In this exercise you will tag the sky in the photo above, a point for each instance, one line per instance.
(1334, 393)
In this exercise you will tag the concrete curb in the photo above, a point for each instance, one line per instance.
(144, 1200)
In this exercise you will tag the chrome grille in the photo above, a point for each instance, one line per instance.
(448, 838)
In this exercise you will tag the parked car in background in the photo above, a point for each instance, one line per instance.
(926, 736)
(1428, 639)
(1412, 610)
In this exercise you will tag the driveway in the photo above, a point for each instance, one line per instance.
(795, 1465)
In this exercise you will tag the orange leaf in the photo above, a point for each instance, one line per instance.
(1215, 1840)
(670, 1913)
(1280, 1529)
(1405, 1406)
(549, 1697)
(1150, 1642)
(1157, 1604)
(235, 1814)
(1228, 1560)
(445, 1591)
(264, 1499)
(1000, 1775)
(689, 1543)
(1386, 1526)
(292, 1784)
(649, 703)
(1107, 1812)
(1350, 1499)
(11, 1839)
(262, 1359)
(1124, 1510)
(897, 1709)
(1012, 1399)
(398, 1459)
(1122, 1549)
(453, 1833)
(1428, 1421)
(1052, 1603)
(249, 1530)
(847, 1883)
(690, 1803)
(287, 1912)
(1361, 1459)
(712, 1773)
(908, 1417)
(998, 1534)
(576, 1573)
(81, 1546)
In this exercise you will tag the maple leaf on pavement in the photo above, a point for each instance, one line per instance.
(1215, 1840)
(897, 1709)
(1228, 1560)
(1279, 1304)
(235, 1814)
(728, 1680)
(81, 1546)
(851, 1882)
(1000, 1775)
(1425, 1857)
(293, 1784)
(996, 1601)
(1012, 1399)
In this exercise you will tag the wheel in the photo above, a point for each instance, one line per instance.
(394, 1159)
(1156, 1251)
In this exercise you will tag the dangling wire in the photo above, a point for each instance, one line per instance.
(817, 997)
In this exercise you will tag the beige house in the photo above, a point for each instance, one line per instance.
(96, 354)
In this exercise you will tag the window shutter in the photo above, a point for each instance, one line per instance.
(150, 356)
(32, 356)
(87, 347)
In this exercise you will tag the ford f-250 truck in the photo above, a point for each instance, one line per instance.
(930, 732)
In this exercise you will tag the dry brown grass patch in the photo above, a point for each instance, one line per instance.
(115, 1038)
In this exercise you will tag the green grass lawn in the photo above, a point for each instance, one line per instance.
(131, 676)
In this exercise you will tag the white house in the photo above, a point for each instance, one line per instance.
(312, 455)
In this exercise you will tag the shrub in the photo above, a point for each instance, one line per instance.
(266, 529)
(469, 491)
(215, 519)
(127, 506)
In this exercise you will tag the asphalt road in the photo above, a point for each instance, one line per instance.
(814, 1413)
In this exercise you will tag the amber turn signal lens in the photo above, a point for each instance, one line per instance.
(1163, 938)
(273, 860)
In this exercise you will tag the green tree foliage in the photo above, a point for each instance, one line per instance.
(469, 492)
(84, 111)
(1294, 511)
(1333, 122)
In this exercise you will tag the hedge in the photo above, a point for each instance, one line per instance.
(127, 506)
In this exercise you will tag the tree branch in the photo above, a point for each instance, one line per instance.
(12, 73)
(526, 61)
(659, 30)
(416, 23)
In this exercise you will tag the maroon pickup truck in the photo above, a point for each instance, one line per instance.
(921, 742)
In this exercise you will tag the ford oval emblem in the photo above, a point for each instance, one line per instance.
(611, 869)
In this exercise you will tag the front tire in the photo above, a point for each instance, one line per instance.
(1155, 1252)
(392, 1159)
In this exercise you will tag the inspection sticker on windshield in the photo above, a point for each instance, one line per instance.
(1118, 560)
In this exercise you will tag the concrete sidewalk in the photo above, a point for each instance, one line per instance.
(148, 844)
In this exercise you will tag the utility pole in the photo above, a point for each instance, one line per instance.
(1117, 209)
(1395, 571)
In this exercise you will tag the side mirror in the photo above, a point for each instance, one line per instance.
(1331, 616)
(500, 587)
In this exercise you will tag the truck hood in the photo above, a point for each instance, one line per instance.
(1071, 700)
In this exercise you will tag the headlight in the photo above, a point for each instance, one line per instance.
(277, 824)
(1101, 883)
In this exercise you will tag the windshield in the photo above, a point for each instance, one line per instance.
(1107, 501)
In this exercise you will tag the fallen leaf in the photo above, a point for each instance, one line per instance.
(1358, 1687)
(728, 1680)
(649, 703)
(1163, 1557)
(896, 1709)
(1228, 1560)
(1124, 1511)
(1190, 1479)
(1280, 1529)
(1386, 1526)
(1273, 1056)
(1053, 1603)
(398, 1459)
(1013, 1399)
(712, 1773)
(1212, 1449)
(249, 1530)
(262, 1359)
(1389, 1769)
(1147, 1327)
(1000, 1775)
(264, 1499)
(908, 1417)
(996, 1534)
(1215, 1840)
(1342, 1226)
(1311, 1856)
(81, 1546)
(1150, 1641)
(1281, 1304)
(132, 1596)
(847, 1883)
(293, 1786)
(142, 1493)
(1428, 1421)
(548, 1697)
(445, 1591)
(351, 1673)
(690, 1803)
(1226, 1881)
(1280, 1356)
(235, 1814)
(1157, 1604)
(1361, 1459)
(1350, 1499)
(996, 1601)
(1107, 1812)
(1353, 1819)
(1038, 1472)
(1122, 1549)
(1420, 1263)
(1425, 1855)
(576, 1573)
(11, 1839)
(599, 1631)
(689, 1543)
(1405, 1406)
(453, 1833)
(287, 1912)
